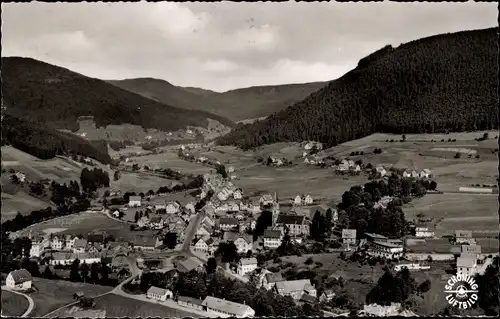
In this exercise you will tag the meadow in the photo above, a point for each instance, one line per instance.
(138, 182)
(20, 202)
(13, 305)
(52, 294)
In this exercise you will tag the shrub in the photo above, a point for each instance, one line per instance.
(309, 261)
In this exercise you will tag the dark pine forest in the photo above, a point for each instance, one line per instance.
(443, 83)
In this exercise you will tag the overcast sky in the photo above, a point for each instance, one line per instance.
(222, 46)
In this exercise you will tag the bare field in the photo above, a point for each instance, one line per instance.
(20, 202)
(458, 211)
(118, 307)
(170, 160)
(53, 294)
(13, 305)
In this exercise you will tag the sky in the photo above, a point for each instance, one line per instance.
(223, 46)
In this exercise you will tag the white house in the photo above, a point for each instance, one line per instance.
(295, 288)
(57, 243)
(308, 200)
(201, 245)
(190, 207)
(385, 249)
(225, 308)
(349, 236)
(380, 170)
(266, 199)
(342, 167)
(19, 280)
(238, 194)
(203, 232)
(425, 173)
(160, 206)
(464, 237)
(423, 231)
(79, 246)
(406, 174)
(297, 200)
(243, 242)
(173, 208)
(38, 247)
(350, 163)
(414, 174)
(357, 168)
(134, 201)
(272, 238)
(466, 265)
(159, 293)
(246, 265)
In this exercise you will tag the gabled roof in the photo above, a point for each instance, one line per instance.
(228, 221)
(294, 285)
(268, 233)
(267, 197)
(308, 298)
(190, 300)
(134, 198)
(20, 276)
(189, 264)
(290, 219)
(227, 306)
(157, 291)
(349, 233)
(142, 241)
(80, 243)
(233, 236)
(248, 261)
(274, 277)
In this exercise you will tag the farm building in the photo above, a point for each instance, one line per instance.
(159, 293)
(19, 280)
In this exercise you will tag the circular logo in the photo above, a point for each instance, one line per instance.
(461, 291)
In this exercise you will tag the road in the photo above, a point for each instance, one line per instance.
(30, 301)
(191, 230)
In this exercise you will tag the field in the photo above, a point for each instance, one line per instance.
(138, 182)
(53, 294)
(84, 223)
(118, 307)
(13, 305)
(457, 211)
(169, 159)
(20, 202)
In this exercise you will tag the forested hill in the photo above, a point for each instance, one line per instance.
(49, 94)
(240, 104)
(444, 82)
(45, 143)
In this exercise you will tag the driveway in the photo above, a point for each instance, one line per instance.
(30, 301)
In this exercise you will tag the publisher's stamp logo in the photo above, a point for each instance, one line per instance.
(461, 291)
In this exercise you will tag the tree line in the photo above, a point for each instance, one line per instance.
(438, 84)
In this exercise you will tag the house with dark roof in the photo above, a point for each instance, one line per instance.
(95, 238)
(192, 263)
(243, 242)
(270, 279)
(297, 225)
(272, 238)
(80, 245)
(295, 288)
(190, 302)
(228, 223)
(19, 280)
(145, 242)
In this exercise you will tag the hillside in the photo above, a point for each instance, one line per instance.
(49, 94)
(237, 105)
(43, 142)
(442, 83)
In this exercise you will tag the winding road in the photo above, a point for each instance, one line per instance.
(30, 300)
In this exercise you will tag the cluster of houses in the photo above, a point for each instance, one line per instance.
(347, 166)
(374, 245)
(303, 200)
(425, 173)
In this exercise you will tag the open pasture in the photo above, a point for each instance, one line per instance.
(170, 160)
(52, 294)
(13, 305)
(139, 182)
(20, 202)
(457, 211)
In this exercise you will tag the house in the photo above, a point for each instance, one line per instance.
(95, 238)
(146, 243)
(190, 208)
(423, 231)
(356, 168)
(467, 265)
(266, 200)
(306, 298)
(246, 265)
(159, 293)
(308, 200)
(297, 225)
(464, 237)
(297, 200)
(173, 207)
(160, 207)
(20, 177)
(192, 263)
(116, 213)
(228, 223)
(157, 222)
(406, 174)
(326, 296)
(388, 250)
(208, 221)
(270, 279)
(342, 167)
(57, 243)
(201, 245)
(202, 232)
(78, 295)
(471, 249)
(380, 170)
(225, 308)
(213, 245)
(134, 201)
(350, 163)
(19, 280)
(238, 193)
(190, 302)
(295, 288)
(414, 174)
(425, 173)
(272, 238)
(143, 222)
(70, 241)
(349, 236)
(80, 246)
(243, 242)
(38, 246)
(119, 262)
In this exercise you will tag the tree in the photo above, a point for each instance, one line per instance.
(84, 272)
(228, 251)
(116, 175)
(489, 289)
(263, 221)
(318, 226)
(74, 274)
(221, 169)
(136, 216)
(404, 137)
(170, 240)
(433, 185)
(211, 265)
(425, 286)
(457, 155)
(94, 272)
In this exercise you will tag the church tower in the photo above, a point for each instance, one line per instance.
(276, 209)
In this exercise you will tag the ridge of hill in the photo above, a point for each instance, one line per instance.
(237, 105)
(446, 82)
(45, 93)
(44, 142)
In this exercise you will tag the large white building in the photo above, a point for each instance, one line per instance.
(225, 308)
(19, 280)
(159, 294)
(246, 265)
(385, 249)
(134, 201)
(272, 238)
